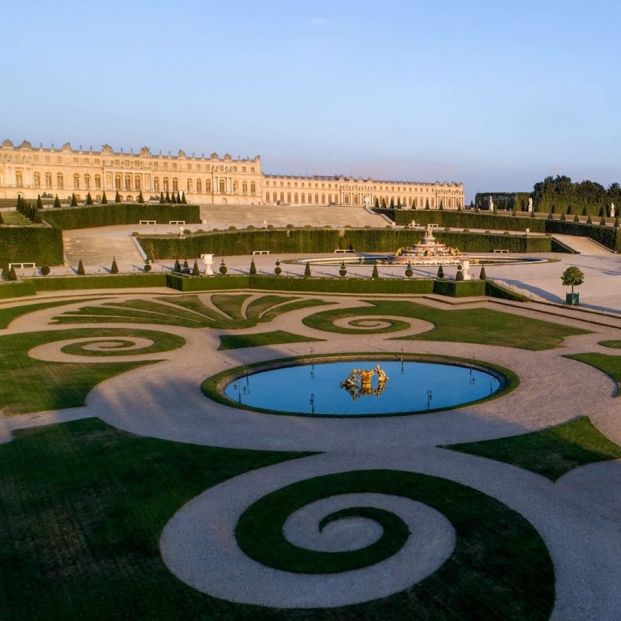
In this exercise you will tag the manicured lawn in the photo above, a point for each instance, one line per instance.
(83, 506)
(15, 218)
(7, 315)
(228, 312)
(551, 452)
(611, 365)
(479, 325)
(236, 341)
(30, 385)
(611, 344)
(500, 568)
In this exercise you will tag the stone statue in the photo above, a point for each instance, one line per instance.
(530, 204)
(491, 203)
(612, 210)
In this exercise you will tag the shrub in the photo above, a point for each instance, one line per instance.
(195, 270)
(440, 272)
(89, 199)
(177, 267)
(81, 270)
(460, 273)
(45, 270)
(277, 269)
(104, 199)
(253, 267)
(147, 266)
(74, 201)
(342, 270)
(307, 270)
(140, 197)
(117, 198)
(114, 268)
(375, 272)
(408, 271)
(222, 269)
(482, 274)
(56, 202)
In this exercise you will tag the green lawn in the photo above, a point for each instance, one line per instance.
(611, 344)
(15, 218)
(551, 452)
(7, 315)
(30, 385)
(611, 365)
(237, 341)
(479, 325)
(228, 311)
(87, 546)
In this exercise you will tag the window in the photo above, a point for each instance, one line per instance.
(166, 184)
(156, 183)
(98, 182)
(323, 199)
(302, 198)
(288, 197)
(274, 197)
(267, 197)
(60, 182)
(76, 181)
(37, 180)
(87, 181)
(222, 186)
(207, 185)
(199, 186)
(253, 188)
(137, 184)
(175, 184)
(316, 199)
(244, 187)
(235, 187)
(48, 180)
(118, 180)
(188, 185)
(295, 197)
(128, 182)
(19, 179)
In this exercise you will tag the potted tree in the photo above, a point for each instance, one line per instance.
(572, 277)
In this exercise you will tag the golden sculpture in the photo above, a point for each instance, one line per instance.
(360, 382)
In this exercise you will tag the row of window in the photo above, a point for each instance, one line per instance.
(355, 199)
(374, 188)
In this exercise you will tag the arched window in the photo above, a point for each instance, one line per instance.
(87, 181)
(175, 184)
(282, 197)
(48, 180)
(207, 185)
(188, 185)
(156, 183)
(346, 199)
(222, 186)
(128, 182)
(267, 197)
(137, 184)
(289, 197)
(118, 180)
(316, 199)
(19, 179)
(165, 182)
(235, 187)
(323, 199)
(274, 197)
(244, 187)
(76, 181)
(60, 182)
(295, 197)
(253, 188)
(199, 186)
(37, 180)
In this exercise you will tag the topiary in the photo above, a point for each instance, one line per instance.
(482, 275)
(408, 270)
(177, 267)
(375, 272)
(589, 220)
(74, 200)
(195, 270)
(277, 269)
(222, 269)
(45, 270)
(104, 199)
(140, 198)
(186, 265)
(342, 269)
(89, 199)
(307, 271)
(253, 267)
(117, 197)
(147, 266)
(81, 270)
(56, 202)
(460, 274)
(440, 272)
(114, 268)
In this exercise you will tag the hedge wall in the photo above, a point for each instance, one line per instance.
(111, 281)
(509, 201)
(119, 213)
(467, 219)
(326, 240)
(41, 244)
(606, 235)
(16, 289)
(495, 290)
(459, 289)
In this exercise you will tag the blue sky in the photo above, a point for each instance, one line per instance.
(495, 94)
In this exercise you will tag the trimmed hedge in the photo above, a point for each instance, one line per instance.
(119, 213)
(16, 289)
(228, 243)
(606, 235)
(495, 290)
(459, 289)
(40, 244)
(467, 219)
(58, 283)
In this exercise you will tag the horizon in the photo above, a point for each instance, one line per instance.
(495, 97)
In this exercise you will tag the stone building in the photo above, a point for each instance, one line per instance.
(30, 171)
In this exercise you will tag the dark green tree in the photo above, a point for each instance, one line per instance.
(114, 268)
(440, 272)
(104, 199)
(81, 270)
(74, 200)
(253, 267)
(195, 270)
(177, 267)
(460, 273)
(222, 269)
(167, 197)
(408, 270)
(89, 199)
(576, 218)
(39, 202)
(117, 197)
(277, 269)
(375, 272)
(162, 198)
(184, 199)
(342, 270)
(572, 277)
(56, 202)
(140, 198)
(589, 220)
(307, 270)
(482, 274)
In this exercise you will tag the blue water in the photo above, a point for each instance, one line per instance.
(315, 389)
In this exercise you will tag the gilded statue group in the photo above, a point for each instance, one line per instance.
(360, 382)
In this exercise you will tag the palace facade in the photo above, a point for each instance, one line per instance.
(31, 171)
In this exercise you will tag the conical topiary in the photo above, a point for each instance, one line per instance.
(56, 201)
(375, 272)
(307, 271)
(81, 270)
(114, 268)
(39, 202)
(186, 265)
(140, 198)
(117, 197)
(460, 274)
(89, 199)
(177, 267)
(253, 267)
(104, 199)
(589, 220)
(440, 272)
(482, 275)
(195, 270)
(74, 200)
(222, 269)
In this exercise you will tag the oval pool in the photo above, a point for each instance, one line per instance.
(322, 389)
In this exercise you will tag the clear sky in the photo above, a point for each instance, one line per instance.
(497, 94)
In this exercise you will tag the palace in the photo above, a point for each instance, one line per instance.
(30, 171)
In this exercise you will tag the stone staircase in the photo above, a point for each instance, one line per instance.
(98, 251)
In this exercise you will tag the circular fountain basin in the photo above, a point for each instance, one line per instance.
(320, 389)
